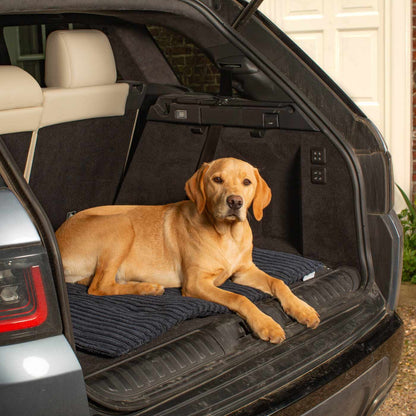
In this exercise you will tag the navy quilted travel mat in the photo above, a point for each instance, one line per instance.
(114, 325)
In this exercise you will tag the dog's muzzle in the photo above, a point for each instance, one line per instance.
(235, 202)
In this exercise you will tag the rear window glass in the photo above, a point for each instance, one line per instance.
(26, 47)
(192, 66)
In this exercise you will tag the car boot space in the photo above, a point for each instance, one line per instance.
(132, 362)
(150, 354)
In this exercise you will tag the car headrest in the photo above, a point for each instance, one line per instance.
(21, 100)
(18, 89)
(79, 58)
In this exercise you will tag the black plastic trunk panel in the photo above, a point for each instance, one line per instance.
(275, 368)
(135, 380)
(218, 346)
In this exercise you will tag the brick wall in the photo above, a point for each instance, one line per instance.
(414, 100)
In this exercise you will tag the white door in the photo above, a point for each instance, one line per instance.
(364, 45)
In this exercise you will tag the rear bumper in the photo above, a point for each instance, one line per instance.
(353, 383)
(41, 377)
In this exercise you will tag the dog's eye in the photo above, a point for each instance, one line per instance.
(217, 179)
(247, 182)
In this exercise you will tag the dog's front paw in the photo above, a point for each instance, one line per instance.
(157, 289)
(269, 330)
(149, 289)
(302, 312)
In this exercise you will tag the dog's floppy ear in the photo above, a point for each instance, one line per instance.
(195, 189)
(262, 196)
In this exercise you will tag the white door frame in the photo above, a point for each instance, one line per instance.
(398, 103)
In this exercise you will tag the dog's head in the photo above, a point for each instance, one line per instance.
(226, 188)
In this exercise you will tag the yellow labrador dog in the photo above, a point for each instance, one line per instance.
(196, 245)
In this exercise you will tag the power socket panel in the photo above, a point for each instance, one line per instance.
(318, 175)
(318, 155)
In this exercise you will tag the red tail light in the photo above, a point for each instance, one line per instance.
(22, 299)
(28, 304)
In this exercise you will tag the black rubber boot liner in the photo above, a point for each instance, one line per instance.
(185, 360)
(114, 325)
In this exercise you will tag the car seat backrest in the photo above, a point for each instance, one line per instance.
(80, 131)
(80, 75)
(85, 132)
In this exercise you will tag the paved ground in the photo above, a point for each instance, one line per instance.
(402, 398)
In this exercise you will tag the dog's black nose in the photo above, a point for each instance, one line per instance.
(235, 201)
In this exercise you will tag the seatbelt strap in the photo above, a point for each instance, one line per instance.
(135, 100)
(210, 145)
